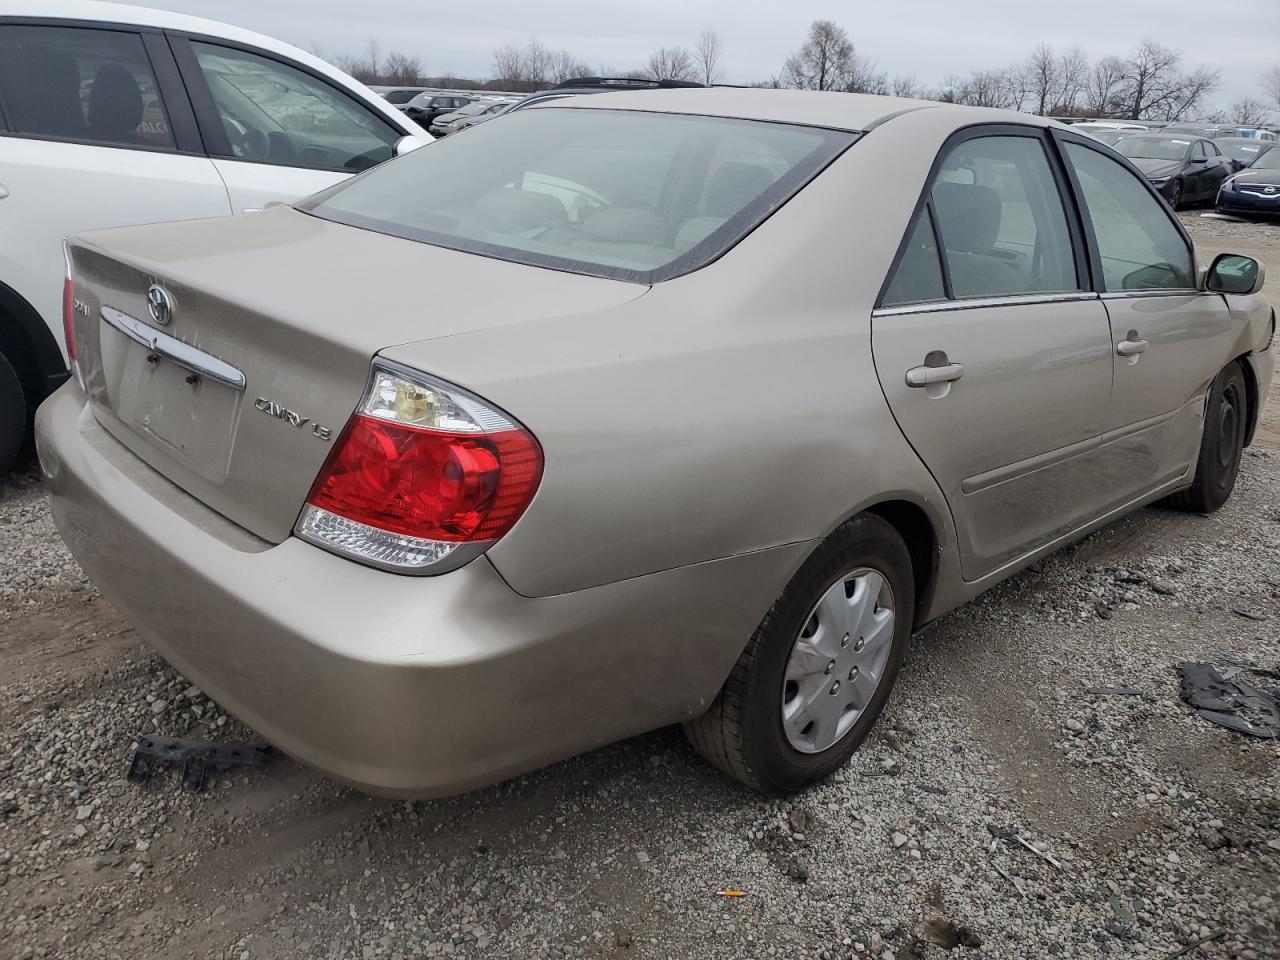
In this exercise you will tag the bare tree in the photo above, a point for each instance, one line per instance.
(707, 54)
(1248, 112)
(565, 66)
(400, 68)
(1188, 94)
(508, 66)
(1271, 86)
(823, 62)
(905, 85)
(1042, 78)
(670, 63)
(1073, 74)
(1104, 86)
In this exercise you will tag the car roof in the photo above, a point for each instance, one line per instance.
(842, 111)
(123, 13)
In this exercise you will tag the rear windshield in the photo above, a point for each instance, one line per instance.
(625, 194)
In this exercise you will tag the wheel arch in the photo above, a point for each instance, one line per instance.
(29, 345)
(917, 531)
(1252, 397)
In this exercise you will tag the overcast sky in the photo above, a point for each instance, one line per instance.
(927, 38)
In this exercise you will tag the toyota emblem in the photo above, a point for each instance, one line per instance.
(159, 304)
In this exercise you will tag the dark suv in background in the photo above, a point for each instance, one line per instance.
(425, 107)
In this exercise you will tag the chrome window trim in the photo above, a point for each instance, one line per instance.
(171, 348)
(978, 303)
(1152, 292)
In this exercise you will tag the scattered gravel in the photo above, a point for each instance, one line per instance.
(1035, 789)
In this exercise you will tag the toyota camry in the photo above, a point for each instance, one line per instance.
(733, 391)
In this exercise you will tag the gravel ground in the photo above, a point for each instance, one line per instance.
(1146, 829)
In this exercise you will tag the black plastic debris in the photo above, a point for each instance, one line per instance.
(1229, 703)
(197, 757)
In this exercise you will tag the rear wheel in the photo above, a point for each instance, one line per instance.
(818, 670)
(1226, 418)
(13, 415)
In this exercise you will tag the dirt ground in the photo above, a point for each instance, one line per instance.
(1152, 830)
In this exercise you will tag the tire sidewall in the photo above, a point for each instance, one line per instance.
(13, 415)
(865, 542)
(1220, 479)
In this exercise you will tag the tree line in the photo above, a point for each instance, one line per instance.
(1151, 82)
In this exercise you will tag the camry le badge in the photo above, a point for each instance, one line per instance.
(273, 409)
(159, 304)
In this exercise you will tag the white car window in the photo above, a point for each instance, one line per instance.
(92, 86)
(274, 113)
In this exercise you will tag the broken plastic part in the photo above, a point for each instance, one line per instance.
(1229, 703)
(197, 757)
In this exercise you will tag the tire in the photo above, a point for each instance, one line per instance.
(13, 415)
(743, 732)
(1226, 418)
(1176, 200)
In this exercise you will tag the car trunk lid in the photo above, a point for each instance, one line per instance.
(275, 320)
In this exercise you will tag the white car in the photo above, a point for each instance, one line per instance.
(113, 115)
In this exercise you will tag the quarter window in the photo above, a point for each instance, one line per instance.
(1138, 244)
(92, 86)
(275, 113)
(918, 277)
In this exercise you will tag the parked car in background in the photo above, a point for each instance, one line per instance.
(1248, 133)
(1094, 127)
(116, 115)
(425, 107)
(587, 85)
(1254, 191)
(398, 96)
(654, 454)
(1208, 131)
(1112, 137)
(472, 113)
(1242, 151)
(1184, 169)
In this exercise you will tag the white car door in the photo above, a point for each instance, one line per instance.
(91, 135)
(276, 130)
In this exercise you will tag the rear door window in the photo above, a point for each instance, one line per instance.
(272, 112)
(1138, 244)
(79, 84)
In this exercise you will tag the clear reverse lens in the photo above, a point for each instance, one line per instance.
(382, 548)
(428, 404)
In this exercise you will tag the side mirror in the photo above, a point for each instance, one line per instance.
(408, 145)
(1233, 273)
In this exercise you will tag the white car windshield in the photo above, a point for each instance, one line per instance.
(616, 193)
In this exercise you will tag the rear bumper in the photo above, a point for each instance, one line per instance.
(403, 686)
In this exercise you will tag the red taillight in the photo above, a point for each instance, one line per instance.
(454, 487)
(423, 478)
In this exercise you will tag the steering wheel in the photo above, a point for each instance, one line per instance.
(247, 143)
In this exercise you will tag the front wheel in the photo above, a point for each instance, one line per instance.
(1226, 418)
(819, 669)
(1175, 199)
